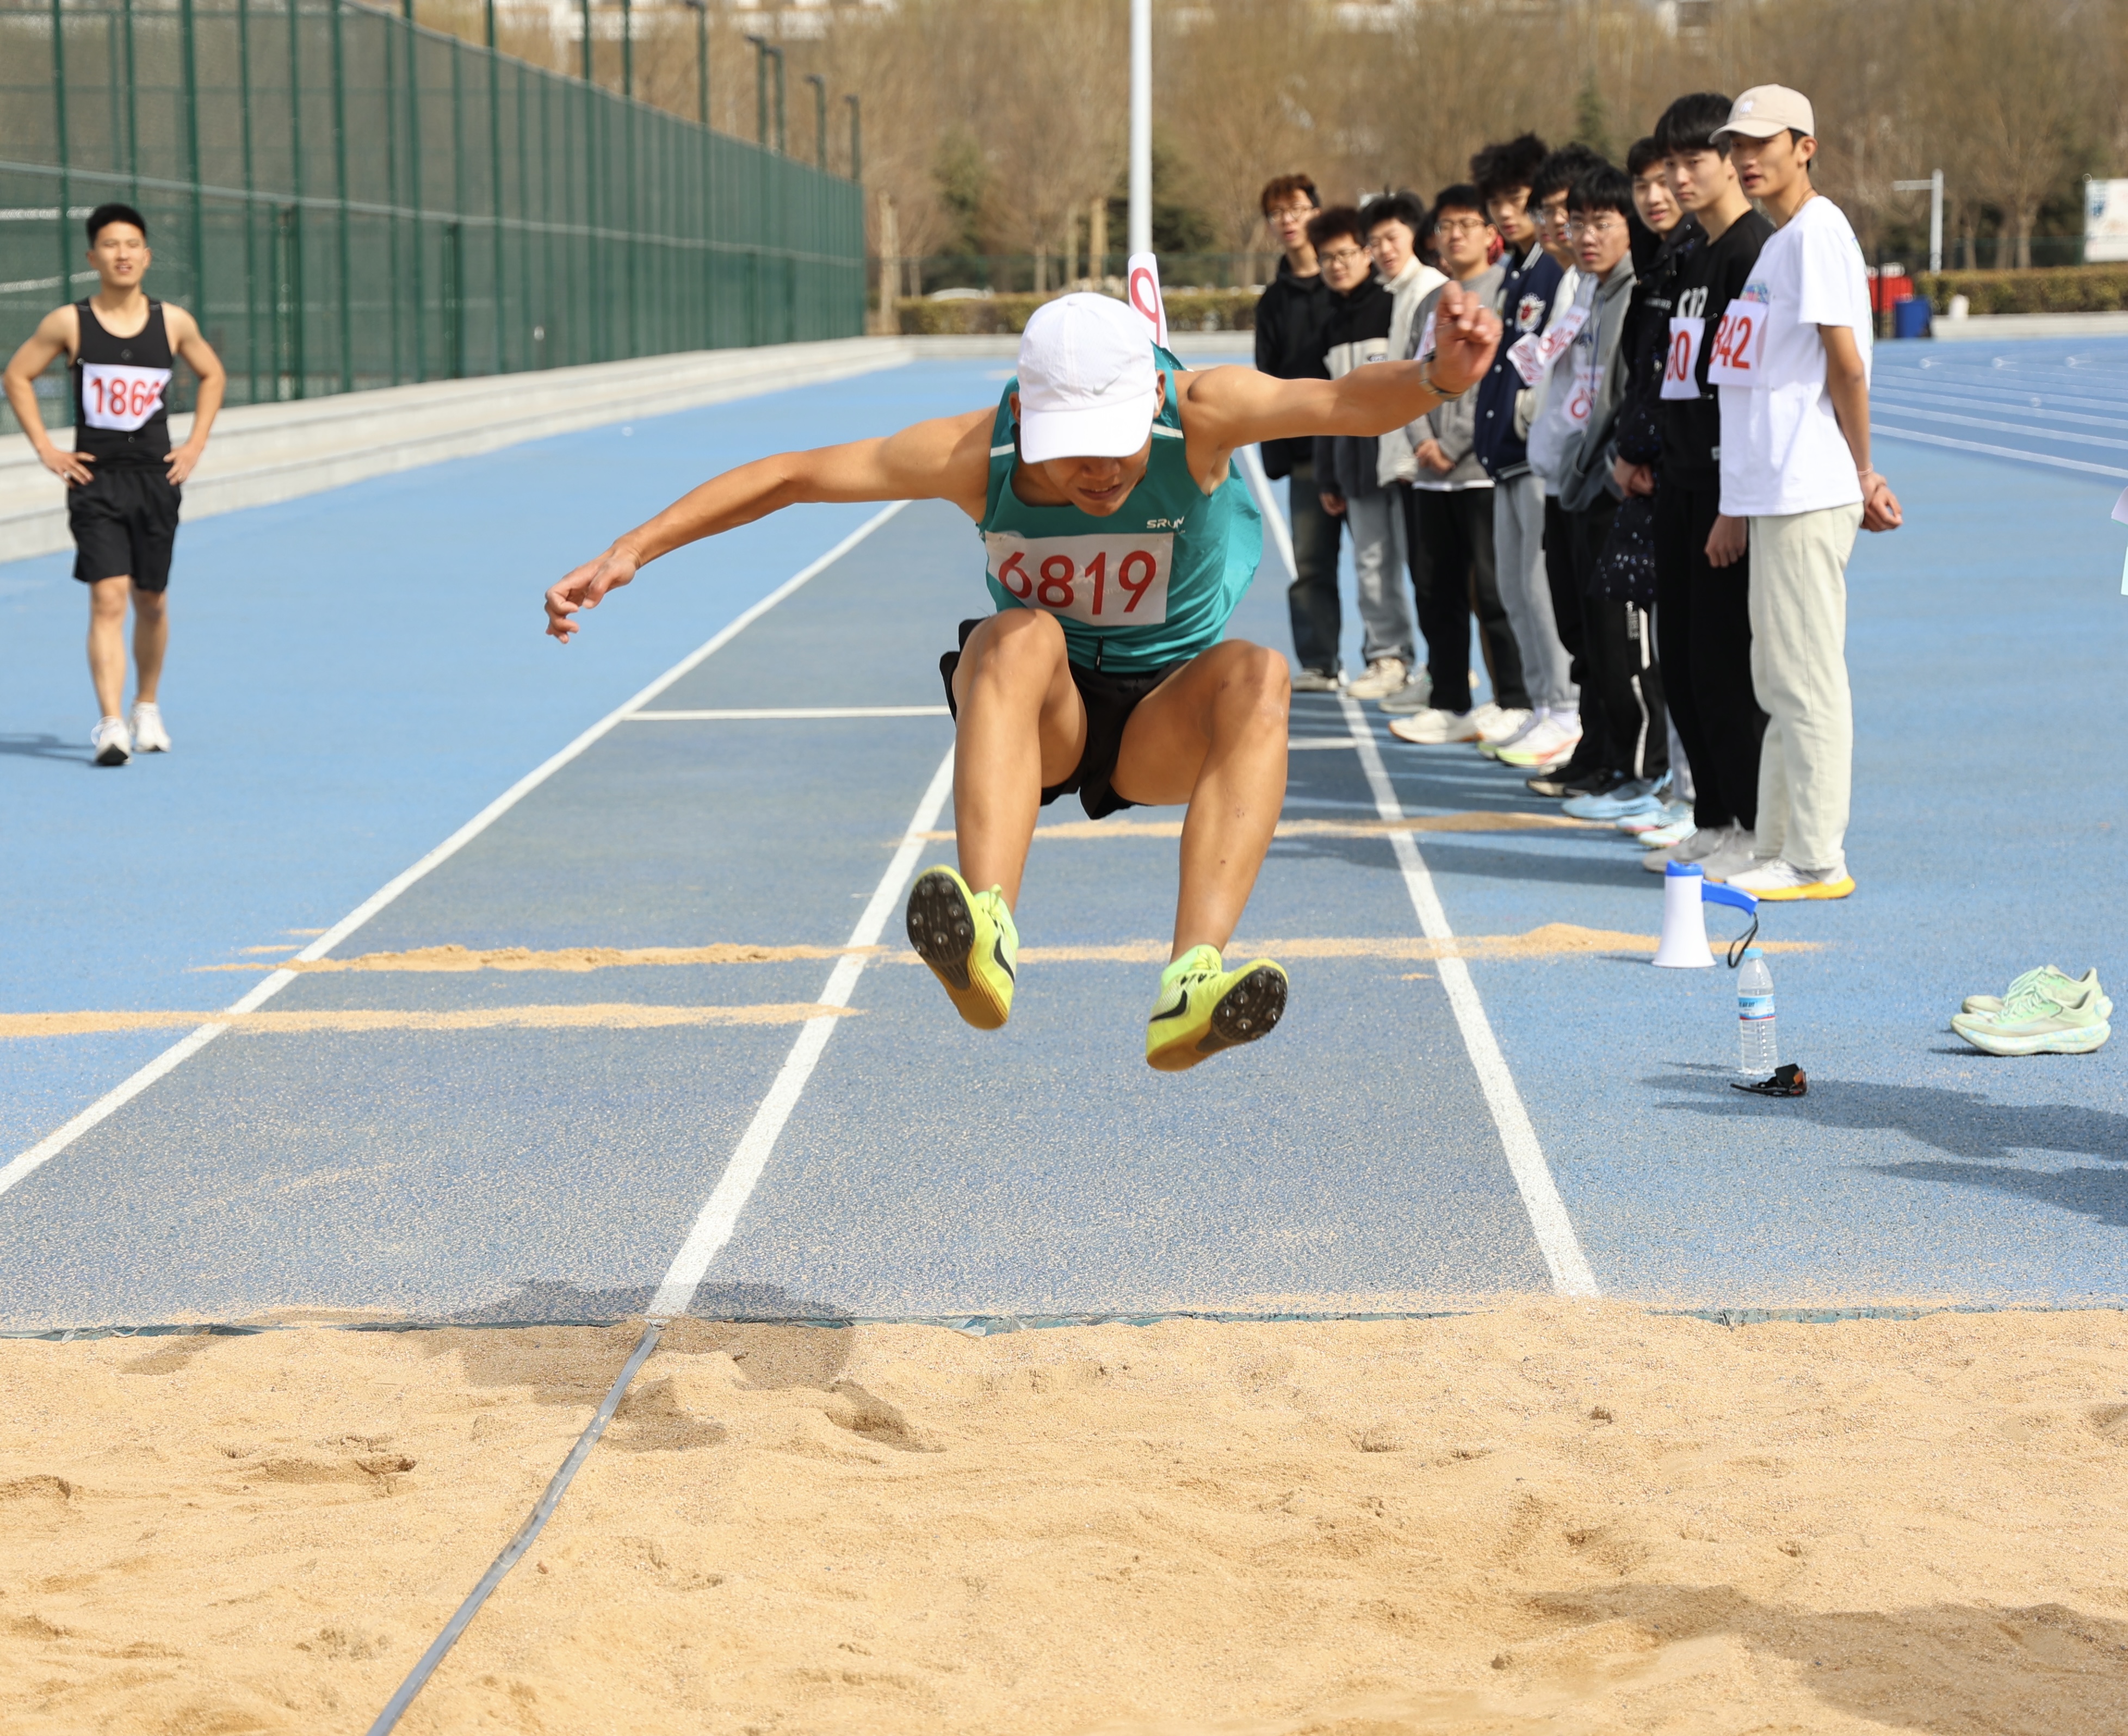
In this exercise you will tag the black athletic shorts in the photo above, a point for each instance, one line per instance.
(1109, 699)
(124, 522)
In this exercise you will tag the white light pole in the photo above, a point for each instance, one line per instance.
(1140, 126)
(1933, 186)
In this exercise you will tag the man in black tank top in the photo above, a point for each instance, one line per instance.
(124, 480)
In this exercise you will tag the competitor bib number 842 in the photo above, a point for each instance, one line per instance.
(1103, 581)
(113, 396)
(1739, 345)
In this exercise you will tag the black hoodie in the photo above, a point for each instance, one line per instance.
(1291, 315)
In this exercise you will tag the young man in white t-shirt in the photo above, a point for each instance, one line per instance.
(1792, 358)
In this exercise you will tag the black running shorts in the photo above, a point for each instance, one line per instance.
(125, 523)
(1109, 699)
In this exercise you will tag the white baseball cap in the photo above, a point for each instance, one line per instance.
(1088, 387)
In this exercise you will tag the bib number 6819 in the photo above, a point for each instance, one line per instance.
(1103, 581)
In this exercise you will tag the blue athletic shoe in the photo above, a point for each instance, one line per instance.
(1643, 795)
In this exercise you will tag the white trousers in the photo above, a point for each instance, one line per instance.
(1526, 592)
(1799, 671)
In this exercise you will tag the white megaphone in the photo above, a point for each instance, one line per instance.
(1685, 891)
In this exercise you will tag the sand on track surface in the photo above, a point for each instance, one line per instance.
(1547, 1516)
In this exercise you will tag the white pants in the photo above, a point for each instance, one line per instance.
(1799, 671)
(1526, 592)
(1378, 558)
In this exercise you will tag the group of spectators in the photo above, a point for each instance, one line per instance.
(1648, 503)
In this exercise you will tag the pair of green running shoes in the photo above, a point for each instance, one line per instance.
(968, 940)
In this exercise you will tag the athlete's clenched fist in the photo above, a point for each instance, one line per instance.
(583, 588)
(1465, 335)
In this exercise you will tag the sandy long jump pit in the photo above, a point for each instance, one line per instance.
(1543, 1516)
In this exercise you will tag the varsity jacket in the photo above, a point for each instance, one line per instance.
(1527, 286)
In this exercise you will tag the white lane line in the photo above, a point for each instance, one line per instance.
(1251, 459)
(22, 1167)
(528, 1533)
(1301, 743)
(1998, 452)
(787, 712)
(720, 1214)
(1555, 1239)
(1996, 424)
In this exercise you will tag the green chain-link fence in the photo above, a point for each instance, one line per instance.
(347, 200)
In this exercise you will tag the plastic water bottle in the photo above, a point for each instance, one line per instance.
(1758, 1049)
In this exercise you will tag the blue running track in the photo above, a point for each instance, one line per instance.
(358, 674)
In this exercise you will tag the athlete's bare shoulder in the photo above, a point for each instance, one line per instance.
(946, 458)
(62, 326)
(177, 323)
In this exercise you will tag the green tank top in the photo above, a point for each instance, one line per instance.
(1154, 583)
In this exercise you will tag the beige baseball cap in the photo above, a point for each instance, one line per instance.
(1767, 109)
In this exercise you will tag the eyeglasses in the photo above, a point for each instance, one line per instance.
(1461, 226)
(1602, 223)
(1276, 211)
(1343, 256)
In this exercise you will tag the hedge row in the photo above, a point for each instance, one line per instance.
(1188, 310)
(2065, 289)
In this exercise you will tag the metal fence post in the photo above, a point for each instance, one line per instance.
(132, 108)
(413, 189)
(339, 178)
(391, 300)
(494, 178)
(296, 352)
(192, 157)
(819, 120)
(628, 164)
(250, 206)
(66, 180)
(856, 139)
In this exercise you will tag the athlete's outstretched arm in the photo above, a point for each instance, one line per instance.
(1228, 407)
(948, 459)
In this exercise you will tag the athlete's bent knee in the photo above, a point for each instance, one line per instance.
(1019, 644)
(1257, 690)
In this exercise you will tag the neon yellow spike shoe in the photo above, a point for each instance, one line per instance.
(968, 940)
(1204, 1008)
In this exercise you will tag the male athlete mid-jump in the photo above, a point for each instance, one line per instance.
(1120, 538)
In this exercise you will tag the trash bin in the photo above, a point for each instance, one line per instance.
(1910, 318)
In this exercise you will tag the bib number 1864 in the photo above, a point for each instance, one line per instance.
(1103, 581)
(114, 395)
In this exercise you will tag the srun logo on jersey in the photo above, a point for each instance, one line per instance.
(1163, 523)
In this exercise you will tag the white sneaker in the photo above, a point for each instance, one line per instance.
(149, 734)
(1415, 695)
(1384, 676)
(1317, 681)
(1738, 853)
(113, 746)
(1778, 881)
(1664, 842)
(1695, 846)
(1552, 741)
(1432, 728)
(1500, 724)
